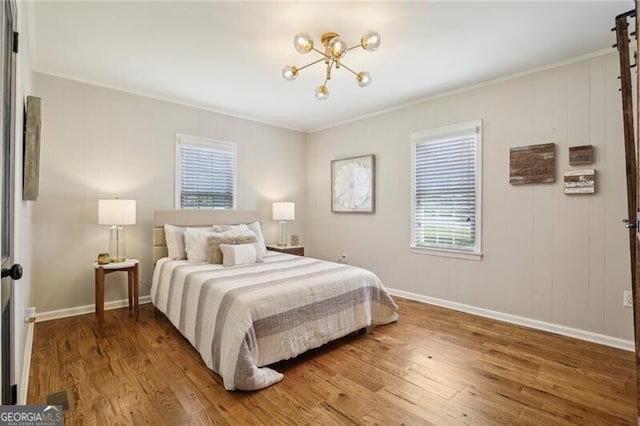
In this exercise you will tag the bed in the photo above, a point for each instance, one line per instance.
(241, 319)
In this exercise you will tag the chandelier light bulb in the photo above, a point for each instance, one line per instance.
(370, 41)
(363, 79)
(303, 43)
(322, 92)
(337, 48)
(289, 72)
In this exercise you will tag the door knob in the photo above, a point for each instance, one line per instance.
(628, 224)
(15, 272)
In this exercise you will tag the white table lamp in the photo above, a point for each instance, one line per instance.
(117, 213)
(284, 212)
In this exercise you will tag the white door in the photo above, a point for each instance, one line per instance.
(10, 272)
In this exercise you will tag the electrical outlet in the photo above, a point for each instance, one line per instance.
(627, 299)
(342, 258)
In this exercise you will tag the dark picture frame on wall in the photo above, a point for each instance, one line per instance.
(353, 184)
(31, 170)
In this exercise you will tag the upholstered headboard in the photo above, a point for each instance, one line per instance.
(194, 218)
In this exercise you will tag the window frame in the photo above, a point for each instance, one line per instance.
(197, 141)
(432, 136)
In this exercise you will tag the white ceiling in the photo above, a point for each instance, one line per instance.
(228, 56)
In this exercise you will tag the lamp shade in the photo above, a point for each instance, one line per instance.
(284, 211)
(117, 212)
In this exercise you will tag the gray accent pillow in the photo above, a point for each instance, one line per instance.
(229, 237)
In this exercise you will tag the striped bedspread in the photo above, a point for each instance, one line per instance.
(242, 318)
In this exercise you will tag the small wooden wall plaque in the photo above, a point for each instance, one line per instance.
(532, 164)
(580, 181)
(580, 155)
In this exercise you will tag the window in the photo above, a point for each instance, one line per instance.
(205, 173)
(446, 190)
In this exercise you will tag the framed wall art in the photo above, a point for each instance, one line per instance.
(31, 171)
(532, 164)
(353, 184)
(579, 155)
(580, 181)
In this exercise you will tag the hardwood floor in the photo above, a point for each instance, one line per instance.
(433, 366)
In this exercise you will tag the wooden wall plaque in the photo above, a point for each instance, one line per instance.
(580, 155)
(580, 181)
(31, 170)
(532, 164)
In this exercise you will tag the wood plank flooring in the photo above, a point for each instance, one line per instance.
(434, 366)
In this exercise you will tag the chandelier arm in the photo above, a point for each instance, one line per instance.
(349, 69)
(354, 47)
(312, 63)
(324, 55)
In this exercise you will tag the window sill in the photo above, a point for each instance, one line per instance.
(446, 253)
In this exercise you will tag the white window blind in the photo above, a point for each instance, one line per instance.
(446, 189)
(205, 175)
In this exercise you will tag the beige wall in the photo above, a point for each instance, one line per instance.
(103, 143)
(547, 256)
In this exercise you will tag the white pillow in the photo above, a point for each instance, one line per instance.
(257, 229)
(195, 243)
(239, 254)
(174, 235)
(253, 227)
(226, 228)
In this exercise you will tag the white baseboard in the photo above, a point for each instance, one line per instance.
(87, 309)
(26, 366)
(627, 345)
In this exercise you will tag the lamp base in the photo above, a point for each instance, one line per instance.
(282, 239)
(117, 244)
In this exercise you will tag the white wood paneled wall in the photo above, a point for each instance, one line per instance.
(547, 256)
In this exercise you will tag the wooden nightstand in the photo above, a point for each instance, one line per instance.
(130, 266)
(297, 250)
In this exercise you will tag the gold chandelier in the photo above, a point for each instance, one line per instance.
(335, 48)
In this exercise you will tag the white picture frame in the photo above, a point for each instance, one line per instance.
(353, 184)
